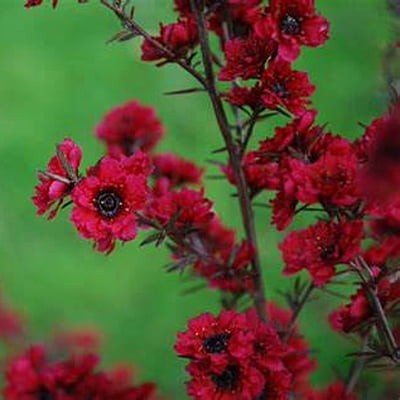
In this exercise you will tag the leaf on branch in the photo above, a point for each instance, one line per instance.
(216, 177)
(155, 237)
(122, 36)
(66, 165)
(182, 264)
(184, 91)
(220, 150)
(194, 289)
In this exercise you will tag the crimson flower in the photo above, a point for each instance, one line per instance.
(129, 127)
(56, 182)
(296, 358)
(335, 391)
(333, 179)
(178, 171)
(216, 339)
(243, 13)
(33, 377)
(293, 23)
(351, 317)
(180, 38)
(284, 87)
(259, 175)
(228, 268)
(189, 209)
(106, 200)
(246, 58)
(321, 247)
(230, 383)
(11, 324)
(234, 356)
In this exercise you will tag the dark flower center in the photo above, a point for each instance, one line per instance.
(290, 25)
(108, 203)
(279, 89)
(44, 394)
(263, 395)
(228, 380)
(216, 344)
(327, 252)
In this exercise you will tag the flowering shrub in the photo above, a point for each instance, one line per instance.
(248, 351)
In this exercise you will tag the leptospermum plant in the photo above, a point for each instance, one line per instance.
(351, 189)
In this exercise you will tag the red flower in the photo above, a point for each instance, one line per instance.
(350, 316)
(180, 38)
(32, 377)
(188, 209)
(243, 14)
(56, 182)
(234, 356)
(284, 87)
(269, 351)
(228, 268)
(378, 151)
(332, 180)
(129, 127)
(284, 206)
(246, 58)
(216, 339)
(77, 340)
(259, 174)
(297, 352)
(178, 171)
(106, 200)
(11, 324)
(245, 96)
(300, 138)
(336, 391)
(293, 23)
(230, 383)
(321, 247)
(121, 377)
(353, 316)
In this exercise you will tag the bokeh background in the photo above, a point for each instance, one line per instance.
(57, 78)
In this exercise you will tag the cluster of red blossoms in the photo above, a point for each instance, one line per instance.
(33, 376)
(237, 356)
(107, 200)
(132, 188)
(350, 186)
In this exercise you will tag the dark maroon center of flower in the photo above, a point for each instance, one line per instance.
(328, 251)
(228, 379)
(279, 89)
(216, 344)
(44, 394)
(108, 203)
(290, 25)
(262, 396)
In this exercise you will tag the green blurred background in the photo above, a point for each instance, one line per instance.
(57, 78)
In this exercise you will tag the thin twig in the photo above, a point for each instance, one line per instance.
(235, 158)
(357, 366)
(131, 25)
(376, 304)
(298, 311)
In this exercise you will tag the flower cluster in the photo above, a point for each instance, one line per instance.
(107, 199)
(237, 355)
(34, 376)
